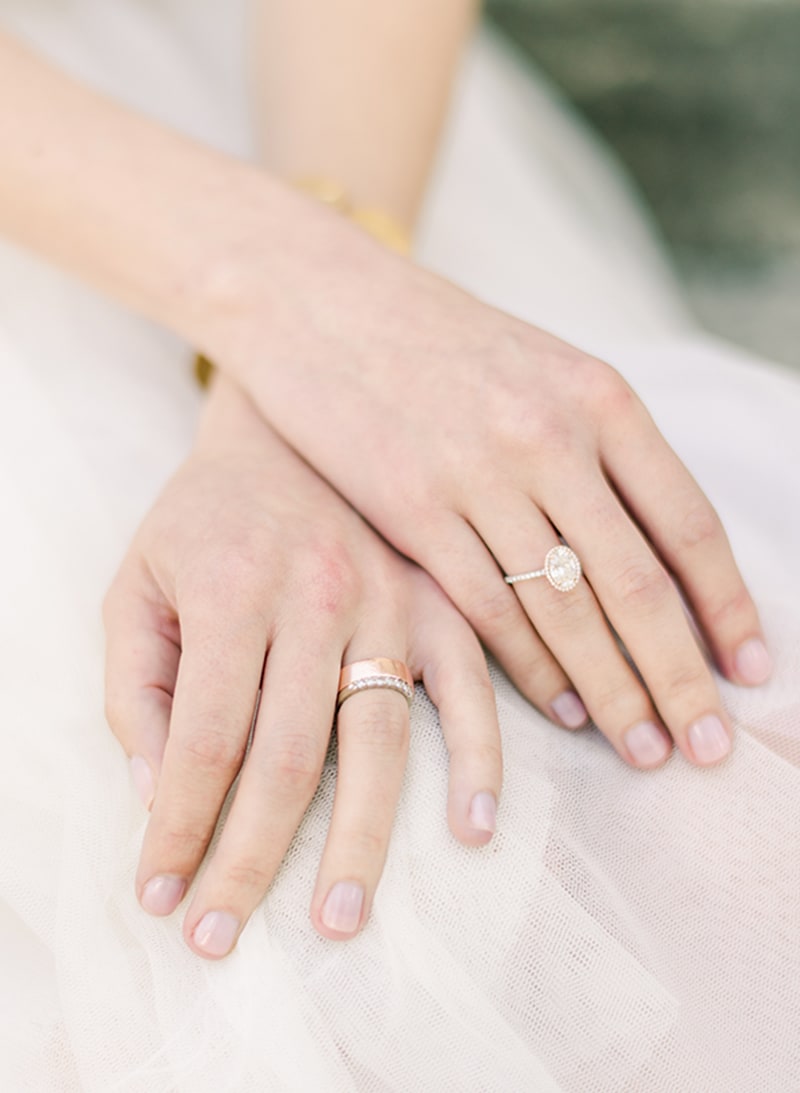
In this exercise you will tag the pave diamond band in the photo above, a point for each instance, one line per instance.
(380, 673)
(562, 568)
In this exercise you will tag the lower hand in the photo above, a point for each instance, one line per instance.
(251, 573)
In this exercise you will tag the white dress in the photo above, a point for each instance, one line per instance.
(624, 932)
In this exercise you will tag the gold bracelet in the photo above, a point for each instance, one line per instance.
(375, 222)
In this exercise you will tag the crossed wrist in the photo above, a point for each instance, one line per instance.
(321, 240)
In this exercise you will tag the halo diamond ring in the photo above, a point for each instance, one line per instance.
(562, 568)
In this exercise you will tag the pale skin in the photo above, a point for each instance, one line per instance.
(247, 554)
(466, 438)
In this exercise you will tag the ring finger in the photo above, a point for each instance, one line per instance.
(574, 628)
(373, 731)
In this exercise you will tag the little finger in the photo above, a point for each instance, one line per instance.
(447, 654)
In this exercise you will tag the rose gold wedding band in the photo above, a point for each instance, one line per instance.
(376, 674)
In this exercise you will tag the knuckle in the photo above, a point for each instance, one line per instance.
(478, 687)
(331, 583)
(606, 388)
(733, 607)
(213, 750)
(643, 586)
(381, 723)
(699, 526)
(237, 573)
(558, 612)
(688, 679)
(551, 435)
(464, 675)
(295, 760)
(248, 874)
(545, 677)
(617, 695)
(494, 611)
(365, 844)
(485, 756)
(230, 583)
(182, 844)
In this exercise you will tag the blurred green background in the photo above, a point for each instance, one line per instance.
(701, 101)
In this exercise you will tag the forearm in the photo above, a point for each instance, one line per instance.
(356, 91)
(145, 215)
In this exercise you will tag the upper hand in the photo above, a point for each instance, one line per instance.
(473, 442)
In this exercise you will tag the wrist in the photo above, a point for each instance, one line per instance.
(293, 277)
(229, 423)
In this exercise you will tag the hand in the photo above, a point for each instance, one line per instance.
(474, 441)
(249, 555)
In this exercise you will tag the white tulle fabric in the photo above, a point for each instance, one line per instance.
(624, 931)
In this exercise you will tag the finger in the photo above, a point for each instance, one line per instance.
(278, 780)
(142, 655)
(681, 523)
(445, 651)
(218, 679)
(645, 609)
(372, 730)
(578, 634)
(465, 569)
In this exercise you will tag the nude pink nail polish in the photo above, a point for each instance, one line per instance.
(161, 895)
(752, 662)
(709, 739)
(569, 710)
(483, 812)
(216, 932)
(647, 744)
(342, 908)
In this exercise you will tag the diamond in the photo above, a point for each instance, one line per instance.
(562, 568)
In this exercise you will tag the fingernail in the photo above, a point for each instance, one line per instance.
(483, 812)
(569, 710)
(342, 909)
(216, 933)
(752, 661)
(709, 739)
(647, 744)
(161, 895)
(143, 780)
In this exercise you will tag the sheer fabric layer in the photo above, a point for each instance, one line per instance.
(624, 931)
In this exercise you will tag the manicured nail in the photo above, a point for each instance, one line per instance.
(143, 780)
(483, 812)
(342, 909)
(647, 744)
(161, 895)
(216, 933)
(709, 739)
(752, 662)
(569, 710)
